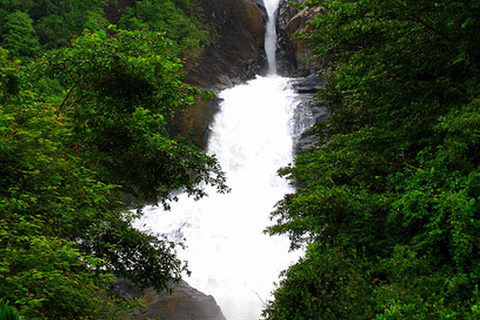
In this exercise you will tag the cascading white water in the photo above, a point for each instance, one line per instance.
(229, 255)
(271, 35)
(227, 252)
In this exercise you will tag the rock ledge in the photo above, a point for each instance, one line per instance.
(184, 303)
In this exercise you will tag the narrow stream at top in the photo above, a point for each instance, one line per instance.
(227, 252)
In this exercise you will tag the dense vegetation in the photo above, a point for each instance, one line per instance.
(84, 108)
(388, 204)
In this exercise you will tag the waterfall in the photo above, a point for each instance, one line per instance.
(271, 35)
(227, 252)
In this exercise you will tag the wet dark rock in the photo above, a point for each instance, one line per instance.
(286, 61)
(236, 52)
(309, 84)
(309, 112)
(184, 303)
(293, 55)
(293, 59)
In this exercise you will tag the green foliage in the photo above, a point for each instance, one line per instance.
(45, 200)
(7, 313)
(178, 21)
(121, 91)
(8, 78)
(395, 176)
(57, 22)
(326, 284)
(83, 120)
(19, 36)
(67, 158)
(54, 23)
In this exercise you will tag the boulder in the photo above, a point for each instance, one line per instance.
(183, 303)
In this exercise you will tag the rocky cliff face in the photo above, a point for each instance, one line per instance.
(312, 110)
(237, 49)
(184, 303)
(293, 54)
(294, 60)
(236, 54)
